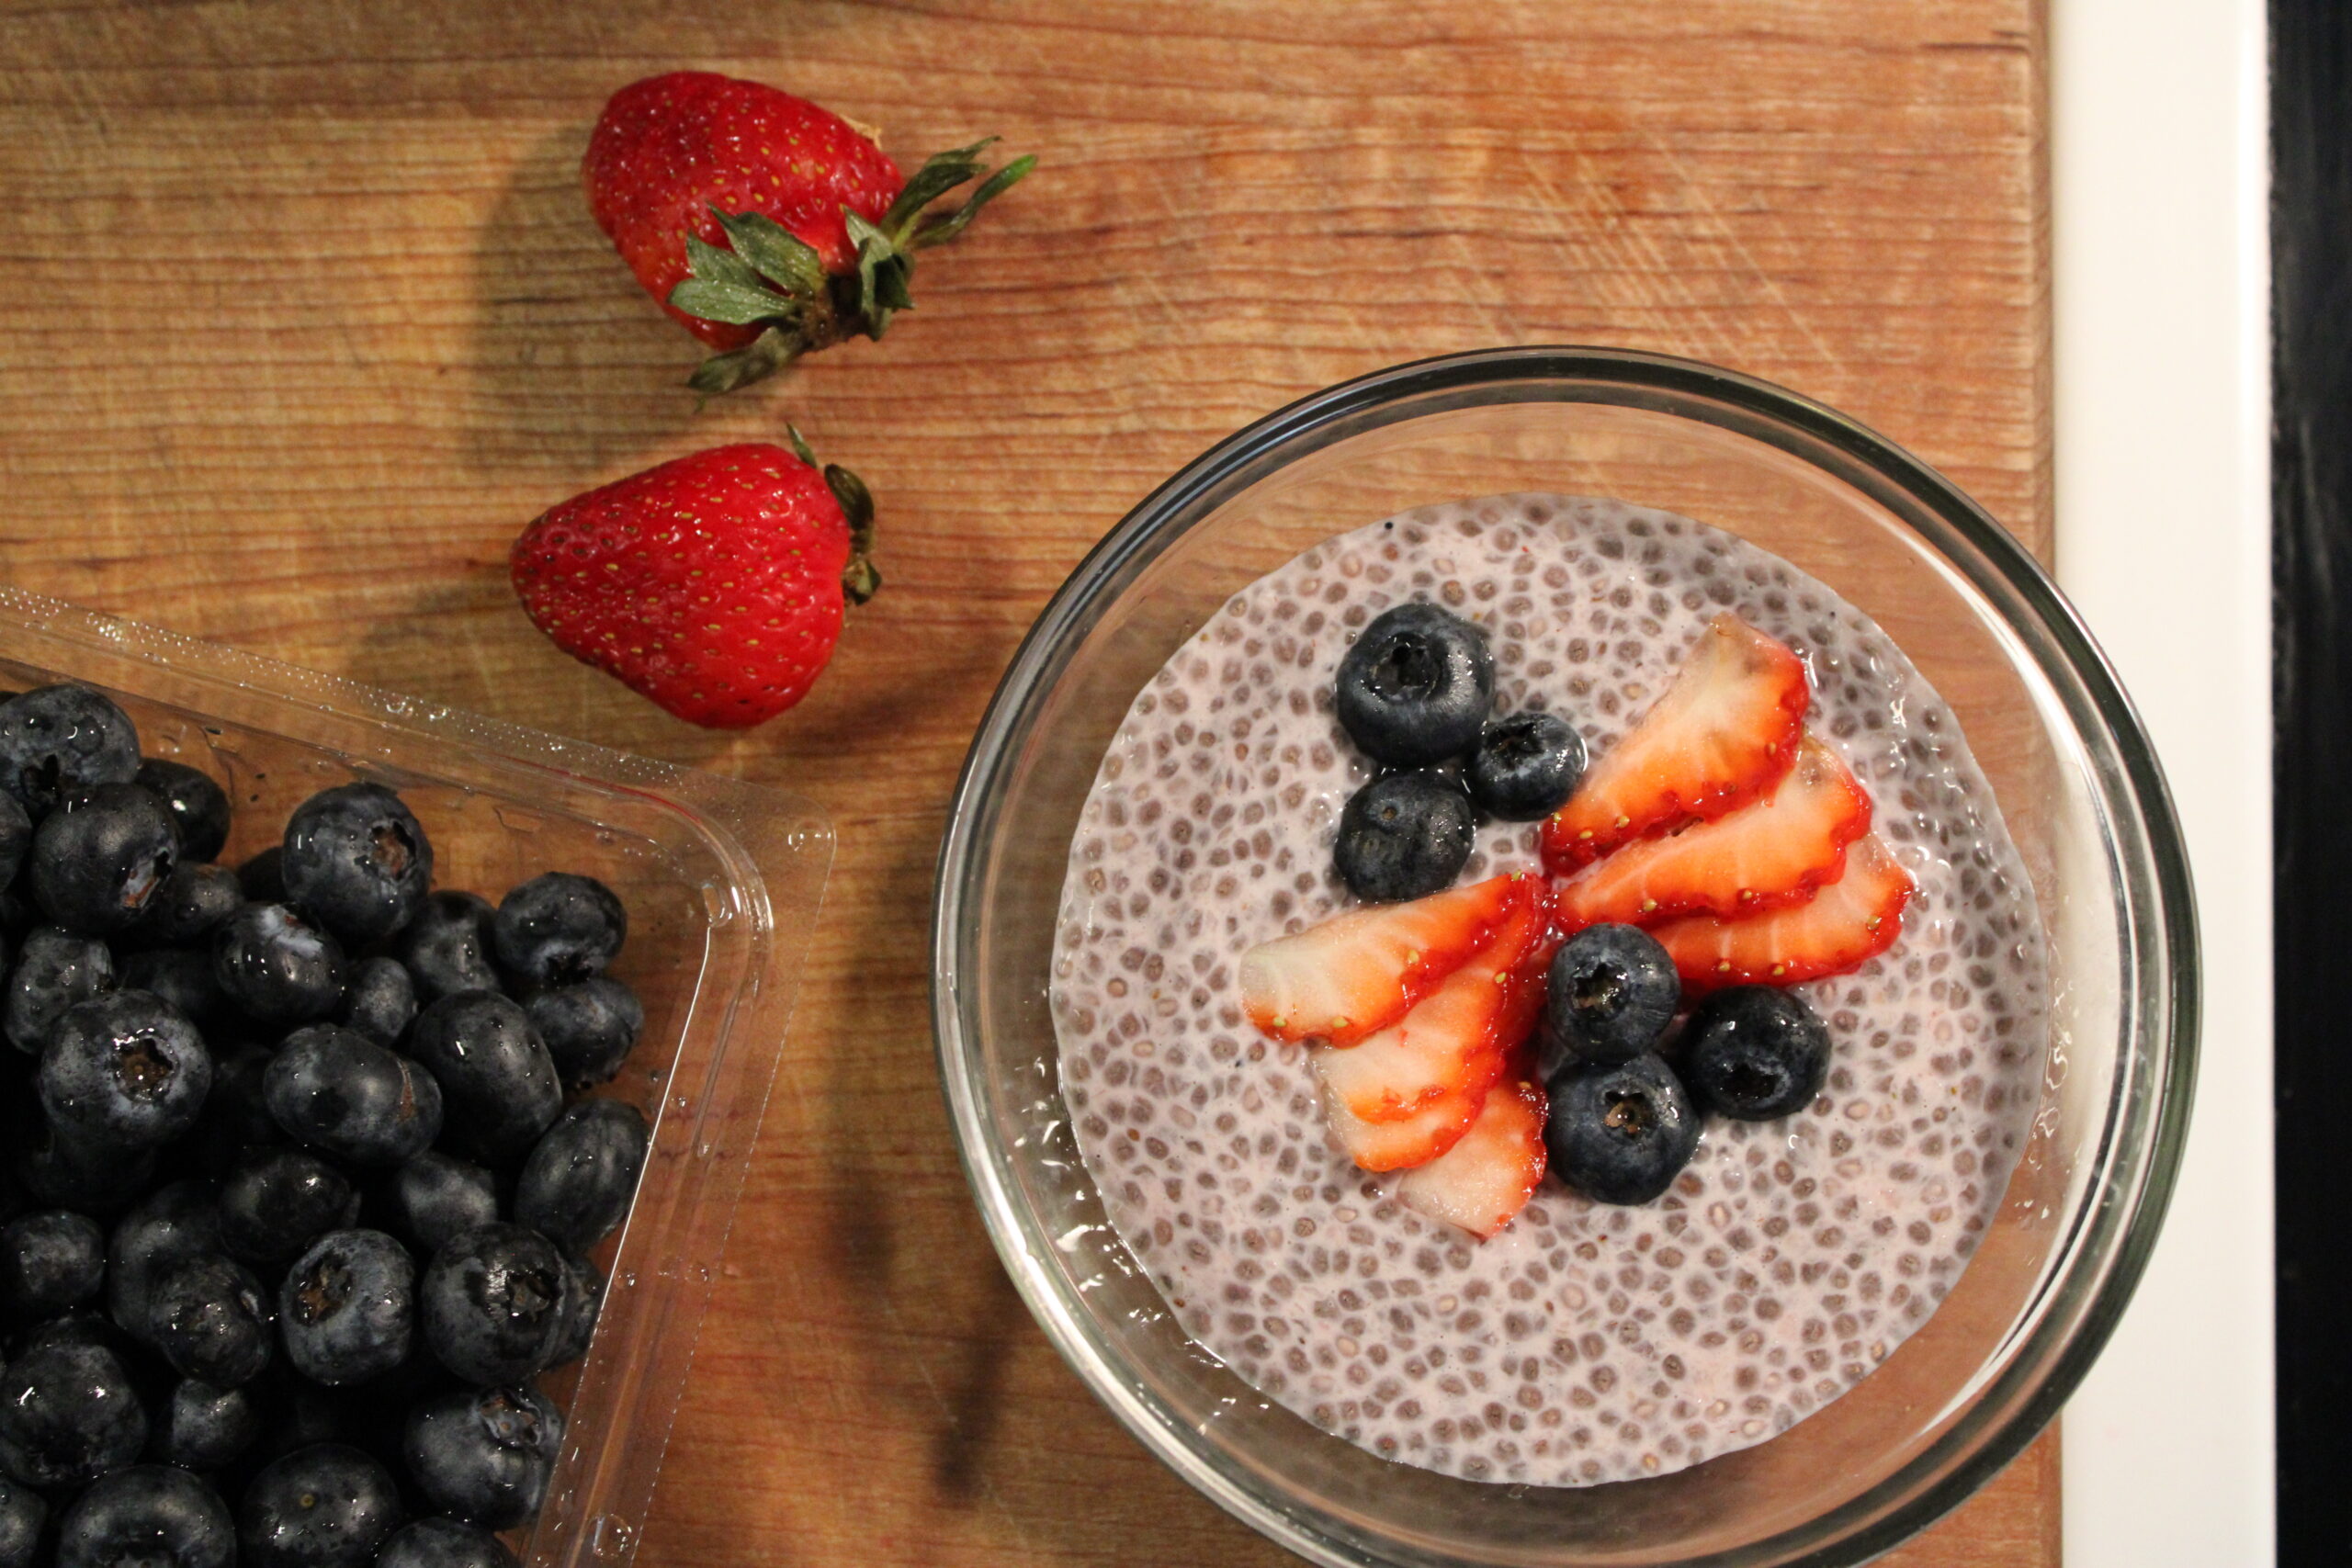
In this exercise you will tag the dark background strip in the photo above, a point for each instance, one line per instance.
(2312, 561)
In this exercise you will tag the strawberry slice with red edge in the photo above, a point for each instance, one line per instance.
(1488, 1173)
(1412, 1140)
(1768, 855)
(1444, 1063)
(1722, 735)
(1355, 974)
(1451, 1041)
(1849, 922)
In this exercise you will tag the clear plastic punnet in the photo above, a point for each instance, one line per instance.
(722, 882)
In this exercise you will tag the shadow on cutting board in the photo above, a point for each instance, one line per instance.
(579, 377)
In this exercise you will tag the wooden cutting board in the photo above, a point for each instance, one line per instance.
(301, 317)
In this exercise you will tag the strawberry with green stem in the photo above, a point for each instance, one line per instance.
(767, 226)
(714, 584)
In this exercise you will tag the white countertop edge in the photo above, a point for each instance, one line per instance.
(2161, 248)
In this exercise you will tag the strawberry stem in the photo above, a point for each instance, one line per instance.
(860, 579)
(768, 277)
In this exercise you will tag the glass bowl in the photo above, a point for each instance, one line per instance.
(721, 880)
(2055, 733)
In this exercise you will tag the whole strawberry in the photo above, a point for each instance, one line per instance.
(713, 585)
(767, 226)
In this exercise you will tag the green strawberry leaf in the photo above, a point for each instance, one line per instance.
(940, 174)
(892, 275)
(881, 281)
(772, 278)
(715, 264)
(937, 230)
(781, 257)
(857, 505)
(731, 303)
(764, 357)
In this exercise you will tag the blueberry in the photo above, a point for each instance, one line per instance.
(380, 1001)
(150, 1515)
(211, 1319)
(54, 970)
(1526, 766)
(277, 966)
(357, 861)
(589, 1028)
(204, 1426)
(170, 1225)
(348, 1307)
(339, 1092)
(498, 1082)
(1404, 835)
(68, 1415)
(277, 1200)
(491, 1303)
(1755, 1054)
(1608, 997)
(62, 1172)
(328, 1506)
(447, 948)
(57, 741)
(199, 806)
(583, 1300)
(438, 1543)
(181, 977)
(125, 1071)
(195, 901)
(50, 1259)
(1620, 1135)
(577, 1184)
(16, 838)
(485, 1454)
(22, 1514)
(558, 928)
(1415, 687)
(434, 1196)
(80, 1328)
(100, 858)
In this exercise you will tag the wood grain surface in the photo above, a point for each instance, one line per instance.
(302, 316)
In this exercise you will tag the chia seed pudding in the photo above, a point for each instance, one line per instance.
(1583, 1343)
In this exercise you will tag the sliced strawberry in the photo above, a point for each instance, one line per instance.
(1452, 1043)
(1396, 1082)
(1851, 920)
(1721, 736)
(1413, 1140)
(1514, 1028)
(1764, 856)
(1488, 1173)
(1358, 973)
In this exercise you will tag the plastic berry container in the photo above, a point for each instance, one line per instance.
(721, 880)
(2068, 762)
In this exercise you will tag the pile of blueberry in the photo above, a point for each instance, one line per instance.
(295, 1207)
(1414, 693)
(1624, 1121)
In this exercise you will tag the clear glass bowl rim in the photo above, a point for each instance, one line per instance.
(2118, 1230)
